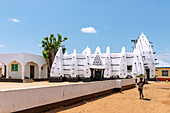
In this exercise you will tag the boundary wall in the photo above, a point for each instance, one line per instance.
(27, 98)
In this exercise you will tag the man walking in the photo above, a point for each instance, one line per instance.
(140, 87)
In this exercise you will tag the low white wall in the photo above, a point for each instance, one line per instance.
(16, 100)
(125, 82)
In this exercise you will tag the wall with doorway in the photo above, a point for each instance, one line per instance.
(22, 58)
(27, 69)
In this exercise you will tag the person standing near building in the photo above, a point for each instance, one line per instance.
(140, 87)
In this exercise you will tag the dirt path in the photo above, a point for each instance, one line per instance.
(157, 100)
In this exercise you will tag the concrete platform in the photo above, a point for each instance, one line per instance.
(19, 97)
(15, 86)
(22, 81)
(11, 80)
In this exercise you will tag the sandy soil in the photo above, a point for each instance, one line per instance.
(157, 100)
(13, 85)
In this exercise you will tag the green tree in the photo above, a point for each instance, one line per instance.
(50, 47)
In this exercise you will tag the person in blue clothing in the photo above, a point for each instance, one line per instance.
(140, 88)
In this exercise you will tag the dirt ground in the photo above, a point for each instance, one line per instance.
(157, 100)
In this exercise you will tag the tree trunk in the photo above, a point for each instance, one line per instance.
(48, 67)
(50, 60)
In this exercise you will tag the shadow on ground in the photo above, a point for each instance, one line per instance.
(147, 99)
(62, 108)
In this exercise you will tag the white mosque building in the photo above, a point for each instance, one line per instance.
(98, 66)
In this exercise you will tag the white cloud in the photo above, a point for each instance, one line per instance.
(88, 30)
(14, 20)
(1, 45)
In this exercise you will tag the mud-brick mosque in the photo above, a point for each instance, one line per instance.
(98, 66)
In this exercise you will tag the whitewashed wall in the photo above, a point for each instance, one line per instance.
(44, 72)
(21, 99)
(15, 74)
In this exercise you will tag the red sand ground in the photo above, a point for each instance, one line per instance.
(157, 100)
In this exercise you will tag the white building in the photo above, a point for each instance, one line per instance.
(21, 65)
(98, 66)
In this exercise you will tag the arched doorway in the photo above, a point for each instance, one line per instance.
(31, 70)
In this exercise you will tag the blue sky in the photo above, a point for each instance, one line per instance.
(24, 23)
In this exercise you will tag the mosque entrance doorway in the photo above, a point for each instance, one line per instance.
(148, 74)
(97, 74)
